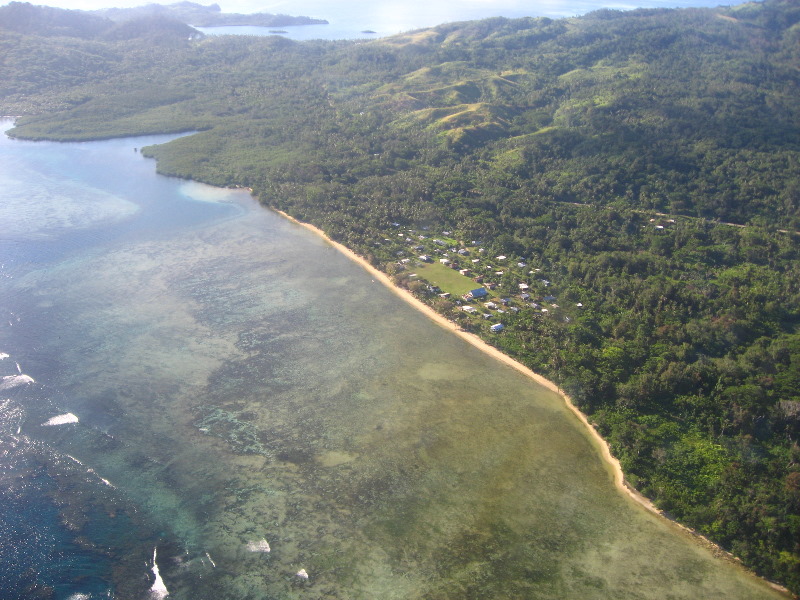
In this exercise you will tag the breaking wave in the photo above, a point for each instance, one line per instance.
(11, 381)
(158, 589)
(60, 420)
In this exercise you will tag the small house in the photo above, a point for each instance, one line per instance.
(496, 327)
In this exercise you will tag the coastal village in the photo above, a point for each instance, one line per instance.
(470, 285)
(482, 291)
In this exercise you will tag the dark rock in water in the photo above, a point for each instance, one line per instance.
(368, 31)
(294, 456)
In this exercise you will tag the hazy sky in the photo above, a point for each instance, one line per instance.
(424, 12)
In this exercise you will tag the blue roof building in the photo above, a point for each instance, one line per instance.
(479, 293)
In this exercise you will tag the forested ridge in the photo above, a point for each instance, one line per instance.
(605, 153)
(198, 15)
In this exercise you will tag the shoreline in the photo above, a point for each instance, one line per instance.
(608, 458)
(475, 340)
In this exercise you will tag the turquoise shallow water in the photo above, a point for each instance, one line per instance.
(223, 381)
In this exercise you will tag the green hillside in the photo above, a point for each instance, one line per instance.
(645, 164)
(198, 15)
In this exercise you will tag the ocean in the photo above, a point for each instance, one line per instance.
(365, 19)
(200, 399)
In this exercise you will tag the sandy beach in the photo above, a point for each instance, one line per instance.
(619, 477)
(602, 444)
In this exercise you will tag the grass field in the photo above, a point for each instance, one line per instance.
(449, 280)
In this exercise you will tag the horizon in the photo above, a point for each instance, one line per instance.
(428, 13)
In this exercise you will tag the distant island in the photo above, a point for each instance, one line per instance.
(198, 15)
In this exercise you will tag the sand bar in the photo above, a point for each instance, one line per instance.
(602, 444)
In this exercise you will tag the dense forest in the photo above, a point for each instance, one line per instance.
(644, 164)
(198, 15)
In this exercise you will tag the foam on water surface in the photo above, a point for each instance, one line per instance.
(158, 590)
(75, 460)
(12, 381)
(61, 420)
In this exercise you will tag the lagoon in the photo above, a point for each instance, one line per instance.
(190, 380)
